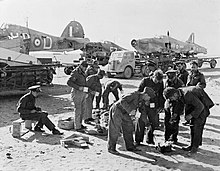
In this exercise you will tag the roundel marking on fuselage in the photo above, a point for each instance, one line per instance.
(37, 42)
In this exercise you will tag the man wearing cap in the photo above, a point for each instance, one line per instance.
(196, 78)
(154, 82)
(182, 73)
(95, 88)
(172, 109)
(79, 92)
(197, 104)
(152, 66)
(111, 86)
(120, 119)
(28, 111)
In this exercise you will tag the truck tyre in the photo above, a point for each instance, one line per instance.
(128, 72)
(213, 63)
(109, 75)
(145, 71)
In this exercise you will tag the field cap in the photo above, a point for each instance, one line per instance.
(35, 88)
(151, 63)
(171, 71)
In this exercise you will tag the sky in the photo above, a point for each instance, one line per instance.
(120, 21)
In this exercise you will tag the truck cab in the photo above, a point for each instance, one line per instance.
(125, 64)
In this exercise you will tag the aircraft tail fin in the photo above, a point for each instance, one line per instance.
(191, 38)
(73, 30)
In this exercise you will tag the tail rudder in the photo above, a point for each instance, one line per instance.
(73, 29)
(191, 38)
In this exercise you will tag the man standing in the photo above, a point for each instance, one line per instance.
(197, 104)
(28, 111)
(182, 73)
(93, 69)
(172, 109)
(79, 92)
(111, 86)
(120, 119)
(154, 82)
(196, 78)
(95, 88)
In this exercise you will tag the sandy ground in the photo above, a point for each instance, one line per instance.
(36, 151)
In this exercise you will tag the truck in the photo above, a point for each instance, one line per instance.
(126, 63)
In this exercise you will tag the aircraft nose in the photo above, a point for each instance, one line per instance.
(134, 43)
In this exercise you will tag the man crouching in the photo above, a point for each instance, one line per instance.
(120, 119)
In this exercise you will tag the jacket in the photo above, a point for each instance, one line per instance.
(93, 83)
(113, 85)
(26, 104)
(129, 102)
(158, 88)
(77, 79)
(196, 100)
(183, 75)
(196, 79)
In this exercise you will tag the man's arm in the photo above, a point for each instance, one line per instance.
(142, 85)
(202, 82)
(72, 81)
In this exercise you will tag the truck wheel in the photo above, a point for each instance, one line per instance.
(128, 72)
(213, 63)
(145, 71)
(109, 75)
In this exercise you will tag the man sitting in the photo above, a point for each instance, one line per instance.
(28, 111)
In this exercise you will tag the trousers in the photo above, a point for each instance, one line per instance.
(119, 120)
(148, 119)
(89, 106)
(196, 131)
(42, 119)
(79, 100)
(171, 126)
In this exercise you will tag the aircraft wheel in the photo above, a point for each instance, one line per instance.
(128, 72)
(145, 71)
(109, 75)
(213, 63)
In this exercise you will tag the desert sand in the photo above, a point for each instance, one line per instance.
(37, 151)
